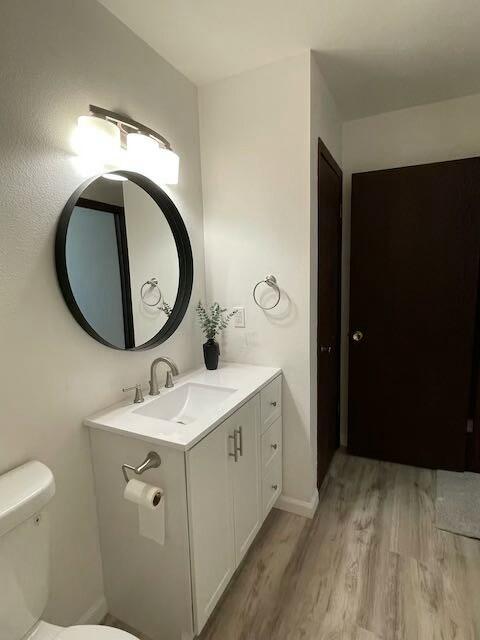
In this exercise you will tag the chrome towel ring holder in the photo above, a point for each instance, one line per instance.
(153, 283)
(271, 281)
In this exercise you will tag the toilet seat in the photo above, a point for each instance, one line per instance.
(94, 632)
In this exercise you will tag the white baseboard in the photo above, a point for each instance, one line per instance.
(299, 507)
(95, 614)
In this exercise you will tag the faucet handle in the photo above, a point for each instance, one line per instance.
(138, 393)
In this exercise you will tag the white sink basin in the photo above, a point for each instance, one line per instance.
(201, 400)
(187, 403)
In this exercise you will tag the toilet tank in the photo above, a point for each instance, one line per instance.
(24, 547)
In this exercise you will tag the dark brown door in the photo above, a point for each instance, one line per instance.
(413, 289)
(328, 345)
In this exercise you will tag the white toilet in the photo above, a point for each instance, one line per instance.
(24, 560)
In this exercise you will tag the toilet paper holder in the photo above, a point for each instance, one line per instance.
(152, 461)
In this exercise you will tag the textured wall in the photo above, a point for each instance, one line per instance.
(57, 57)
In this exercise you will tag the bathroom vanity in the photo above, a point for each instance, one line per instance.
(209, 447)
(219, 438)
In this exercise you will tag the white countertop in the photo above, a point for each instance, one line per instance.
(121, 418)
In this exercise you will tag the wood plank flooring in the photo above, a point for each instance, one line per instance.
(370, 566)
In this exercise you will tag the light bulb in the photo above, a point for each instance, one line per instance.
(146, 156)
(142, 153)
(169, 166)
(97, 139)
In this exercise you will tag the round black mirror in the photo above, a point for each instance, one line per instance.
(124, 261)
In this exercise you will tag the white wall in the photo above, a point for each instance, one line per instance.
(435, 132)
(256, 144)
(152, 253)
(57, 57)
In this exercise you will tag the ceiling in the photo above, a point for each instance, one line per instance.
(376, 55)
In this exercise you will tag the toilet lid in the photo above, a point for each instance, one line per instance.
(94, 632)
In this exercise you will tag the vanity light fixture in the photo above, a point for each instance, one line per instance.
(145, 155)
(169, 165)
(142, 153)
(98, 139)
(120, 142)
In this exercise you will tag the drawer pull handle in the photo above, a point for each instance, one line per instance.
(274, 487)
(273, 403)
(274, 446)
(240, 436)
(234, 455)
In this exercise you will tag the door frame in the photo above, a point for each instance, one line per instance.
(123, 262)
(472, 445)
(322, 150)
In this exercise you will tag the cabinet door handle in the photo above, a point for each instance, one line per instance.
(273, 403)
(240, 437)
(234, 455)
(274, 487)
(274, 446)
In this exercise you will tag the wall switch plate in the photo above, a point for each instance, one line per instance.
(239, 318)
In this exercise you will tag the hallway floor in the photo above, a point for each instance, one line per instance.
(370, 566)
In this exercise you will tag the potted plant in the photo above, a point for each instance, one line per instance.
(212, 322)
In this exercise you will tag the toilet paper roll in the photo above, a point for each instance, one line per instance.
(146, 495)
(150, 502)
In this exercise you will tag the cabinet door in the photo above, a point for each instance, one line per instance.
(246, 478)
(211, 520)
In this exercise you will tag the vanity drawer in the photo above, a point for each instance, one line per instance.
(271, 443)
(271, 402)
(272, 484)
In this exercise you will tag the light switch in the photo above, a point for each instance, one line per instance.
(239, 318)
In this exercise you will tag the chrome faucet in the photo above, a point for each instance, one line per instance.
(173, 371)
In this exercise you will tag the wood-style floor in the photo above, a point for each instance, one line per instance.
(370, 566)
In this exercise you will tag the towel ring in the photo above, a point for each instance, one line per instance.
(153, 282)
(271, 281)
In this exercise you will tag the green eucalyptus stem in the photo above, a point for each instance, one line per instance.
(214, 320)
(166, 308)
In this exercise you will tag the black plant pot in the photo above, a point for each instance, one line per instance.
(211, 351)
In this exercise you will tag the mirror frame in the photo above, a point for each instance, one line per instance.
(184, 251)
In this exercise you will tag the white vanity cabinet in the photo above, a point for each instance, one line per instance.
(271, 465)
(212, 545)
(246, 490)
(271, 443)
(218, 489)
(234, 477)
(224, 495)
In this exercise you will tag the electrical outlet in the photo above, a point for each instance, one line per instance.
(239, 318)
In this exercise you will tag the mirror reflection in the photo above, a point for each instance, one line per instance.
(122, 261)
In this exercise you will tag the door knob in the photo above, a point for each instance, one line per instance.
(357, 336)
(325, 349)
